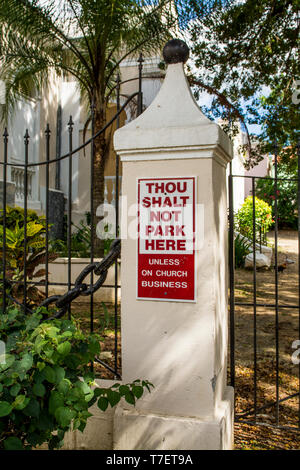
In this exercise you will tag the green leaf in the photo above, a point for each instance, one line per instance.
(56, 401)
(129, 397)
(9, 360)
(8, 381)
(64, 416)
(147, 384)
(94, 346)
(64, 348)
(40, 366)
(32, 322)
(26, 362)
(99, 391)
(124, 389)
(76, 423)
(60, 374)
(113, 397)
(21, 402)
(137, 391)
(52, 331)
(67, 334)
(45, 421)
(15, 390)
(48, 351)
(39, 390)
(39, 343)
(72, 361)
(102, 403)
(74, 395)
(49, 374)
(13, 443)
(32, 409)
(85, 389)
(64, 386)
(5, 408)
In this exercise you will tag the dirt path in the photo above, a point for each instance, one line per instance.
(266, 347)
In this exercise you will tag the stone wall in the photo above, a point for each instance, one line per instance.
(10, 194)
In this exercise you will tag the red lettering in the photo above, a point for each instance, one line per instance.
(179, 231)
(156, 201)
(170, 187)
(184, 187)
(159, 187)
(149, 229)
(154, 216)
(146, 202)
(170, 244)
(150, 244)
(149, 185)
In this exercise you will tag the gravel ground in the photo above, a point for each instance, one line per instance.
(248, 437)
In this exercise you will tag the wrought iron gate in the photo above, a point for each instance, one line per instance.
(94, 274)
(262, 394)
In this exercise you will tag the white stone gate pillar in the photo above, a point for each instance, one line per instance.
(179, 343)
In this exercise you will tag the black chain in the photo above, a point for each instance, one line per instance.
(80, 288)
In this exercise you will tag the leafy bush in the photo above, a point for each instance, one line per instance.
(286, 198)
(46, 383)
(15, 215)
(80, 240)
(263, 218)
(242, 248)
(15, 246)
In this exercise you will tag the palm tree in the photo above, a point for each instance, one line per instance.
(87, 39)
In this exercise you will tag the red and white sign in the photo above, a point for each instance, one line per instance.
(166, 239)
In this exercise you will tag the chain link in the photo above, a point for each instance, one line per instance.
(80, 287)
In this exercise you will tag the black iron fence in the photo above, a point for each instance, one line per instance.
(94, 274)
(265, 321)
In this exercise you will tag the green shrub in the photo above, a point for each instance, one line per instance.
(242, 247)
(15, 215)
(263, 218)
(286, 198)
(46, 383)
(15, 247)
(80, 240)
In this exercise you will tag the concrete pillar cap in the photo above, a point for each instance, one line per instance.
(173, 121)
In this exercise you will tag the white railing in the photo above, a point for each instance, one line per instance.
(17, 177)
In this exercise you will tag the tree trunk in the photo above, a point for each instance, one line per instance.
(101, 152)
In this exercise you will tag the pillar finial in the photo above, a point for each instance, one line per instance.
(176, 51)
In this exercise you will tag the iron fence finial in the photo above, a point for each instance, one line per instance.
(70, 124)
(47, 131)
